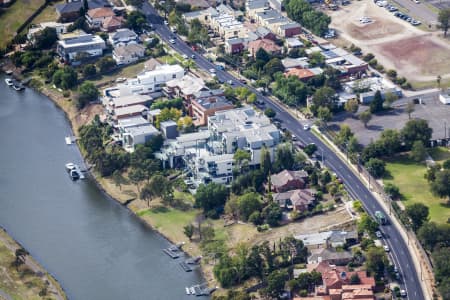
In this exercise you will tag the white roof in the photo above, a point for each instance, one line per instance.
(314, 238)
(129, 109)
(130, 100)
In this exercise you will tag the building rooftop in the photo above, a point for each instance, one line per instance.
(130, 109)
(285, 176)
(100, 12)
(168, 123)
(213, 102)
(289, 25)
(130, 49)
(129, 100)
(144, 129)
(132, 121)
(300, 73)
(268, 45)
(208, 93)
(256, 4)
(293, 42)
(123, 33)
(289, 63)
(188, 84)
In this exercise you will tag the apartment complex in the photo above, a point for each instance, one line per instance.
(78, 44)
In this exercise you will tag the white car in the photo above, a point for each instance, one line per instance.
(403, 293)
(386, 248)
(185, 56)
(213, 71)
(379, 234)
(166, 23)
(305, 127)
(417, 1)
(172, 41)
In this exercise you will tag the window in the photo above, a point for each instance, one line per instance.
(174, 76)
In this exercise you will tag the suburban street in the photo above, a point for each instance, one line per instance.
(399, 250)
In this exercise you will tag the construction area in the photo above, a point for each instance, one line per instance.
(415, 54)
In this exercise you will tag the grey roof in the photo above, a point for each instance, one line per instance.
(213, 102)
(193, 14)
(132, 121)
(290, 25)
(269, 14)
(131, 50)
(208, 93)
(262, 31)
(168, 123)
(341, 236)
(235, 41)
(255, 4)
(123, 33)
(328, 254)
(75, 6)
(147, 129)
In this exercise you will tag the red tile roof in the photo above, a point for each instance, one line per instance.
(101, 12)
(300, 73)
(266, 44)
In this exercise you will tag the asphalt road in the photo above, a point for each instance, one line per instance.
(399, 251)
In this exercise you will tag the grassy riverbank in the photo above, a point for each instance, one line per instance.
(26, 281)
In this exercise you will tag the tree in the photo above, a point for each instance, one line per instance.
(365, 117)
(376, 260)
(418, 214)
(410, 107)
(310, 149)
(441, 185)
(136, 3)
(168, 114)
(20, 255)
(389, 98)
(377, 103)
(247, 204)
(354, 279)
(324, 114)
(284, 157)
(438, 81)
(272, 214)
(266, 163)
(444, 20)
(136, 177)
(65, 78)
(273, 66)
(147, 193)
(366, 223)
(418, 151)
(188, 231)
(136, 20)
(376, 167)
(270, 113)
(251, 98)
(106, 64)
(262, 55)
(351, 106)
(89, 70)
(392, 190)
(46, 38)
(392, 73)
(326, 97)
(87, 92)
(416, 130)
(159, 185)
(118, 179)
(275, 283)
(211, 198)
(390, 141)
(185, 124)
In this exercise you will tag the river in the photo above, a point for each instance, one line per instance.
(95, 248)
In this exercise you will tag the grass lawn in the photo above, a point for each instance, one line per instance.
(14, 16)
(409, 177)
(48, 14)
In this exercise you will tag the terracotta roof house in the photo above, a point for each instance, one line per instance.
(111, 24)
(302, 74)
(96, 16)
(298, 200)
(288, 180)
(268, 45)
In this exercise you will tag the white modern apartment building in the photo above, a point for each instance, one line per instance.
(78, 43)
(228, 27)
(151, 81)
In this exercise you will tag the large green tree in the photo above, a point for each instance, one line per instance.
(211, 198)
(444, 20)
(377, 103)
(441, 185)
(418, 214)
(247, 204)
(418, 151)
(416, 130)
(87, 92)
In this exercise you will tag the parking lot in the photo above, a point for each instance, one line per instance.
(395, 42)
(436, 113)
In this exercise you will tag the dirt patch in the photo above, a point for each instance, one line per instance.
(417, 54)
(375, 30)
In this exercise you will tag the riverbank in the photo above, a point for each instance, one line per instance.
(26, 281)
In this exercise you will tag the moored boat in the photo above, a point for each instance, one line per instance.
(9, 81)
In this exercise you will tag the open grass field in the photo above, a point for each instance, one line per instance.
(14, 16)
(409, 177)
(48, 14)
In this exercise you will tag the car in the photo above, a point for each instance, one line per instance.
(379, 234)
(417, 1)
(193, 56)
(403, 293)
(230, 82)
(185, 56)
(243, 81)
(294, 137)
(386, 248)
(213, 71)
(305, 126)
(415, 22)
(166, 23)
(172, 41)
(409, 19)
(397, 275)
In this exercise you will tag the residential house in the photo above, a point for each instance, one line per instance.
(78, 43)
(288, 180)
(317, 240)
(60, 28)
(152, 114)
(126, 112)
(135, 130)
(204, 16)
(268, 45)
(295, 63)
(331, 256)
(228, 27)
(299, 200)
(277, 4)
(252, 7)
(444, 96)
(367, 97)
(234, 45)
(95, 17)
(169, 129)
(151, 81)
(127, 54)
(293, 43)
(345, 62)
(203, 108)
(123, 37)
(289, 29)
(264, 33)
(302, 74)
(195, 4)
(111, 24)
(112, 103)
(226, 9)
(151, 64)
(70, 11)
(185, 87)
(327, 239)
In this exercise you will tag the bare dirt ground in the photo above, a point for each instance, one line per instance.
(396, 44)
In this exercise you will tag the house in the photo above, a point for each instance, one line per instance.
(127, 54)
(151, 64)
(288, 180)
(135, 130)
(169, 129)
(123, 101)
(234, 45)
(128, 112)
(268, 45)
(293, 43)
(289, 29)
(152, 114)
(204, 16)
(70, 11)
(444, 96)
(347, 63)
(331, 256)
(299, 199)
(327, 239)
(60, 28)
(96, 16)
(340, 238)
(302, 74)
(78, 43)
(228, 27)
(264, 33)
(295, 63)
(122, 37)
(252, 7)
(367, 97)
(185, 87)
(111, 24)
(151, 81)
(203, 108)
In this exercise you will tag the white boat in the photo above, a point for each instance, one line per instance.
(9, 81)
(18, 87)
(68, 140)
(74, 175)
(188, 291)
(70, 166)
(74, 171)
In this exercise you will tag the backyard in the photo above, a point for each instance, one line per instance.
(409, 177)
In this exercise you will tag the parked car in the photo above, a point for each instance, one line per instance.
(185, 56)
(193, 56)
(166, 23)
(403, 293)
(172, 41)
(379, 234)
(213, 71)
(305, 127)
(386, 248)
(230, 82)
